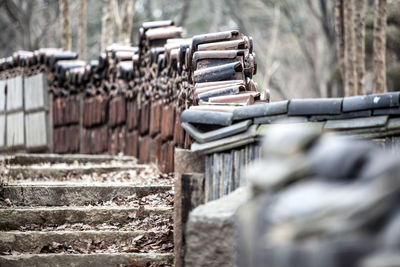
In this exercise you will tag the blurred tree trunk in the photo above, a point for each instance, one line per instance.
(66, 40)
(149, 10)
(380, 47)
(124, 19)
(217, 10)
(350, 87)
(360, 45)
(339, 29)
(185, 12)
(107, 24)
(82, 29)
(269, 69)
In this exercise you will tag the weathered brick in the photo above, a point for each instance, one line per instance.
(155, 118)
(113, 142)
(188, 141)
(88, 111)
(170, 158)
(157, 149)
(73, 138)
(73, 109)
(132, 140)
(121, 139)
(86, 142)
(117, 111)
(179, 133)
(144, 149)
(167, 157)
(121, 110)
(144, 118)
(168, 122)
(104, 138)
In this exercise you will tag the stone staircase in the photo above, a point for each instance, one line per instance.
(81, 210)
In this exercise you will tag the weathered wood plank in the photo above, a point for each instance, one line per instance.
(15, 129)
(208, 177)
(2, 95)
(227, 172)
(14, 93)
(35, 130)
(242, 182)
(236, 168)
(2, 130)
(216, 176)
(34, 92)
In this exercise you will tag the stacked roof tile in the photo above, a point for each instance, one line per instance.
(369, 116)
(130, 99)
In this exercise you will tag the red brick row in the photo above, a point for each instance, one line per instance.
(117, 111)
(133, 114)
(66, 139)
(66, 110)
(95, 111)
(144, 118)
(117, 140)
(155, 118)
(95, 140)
(168, 122)
(132, 143)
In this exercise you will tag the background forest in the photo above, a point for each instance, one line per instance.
(296, 42)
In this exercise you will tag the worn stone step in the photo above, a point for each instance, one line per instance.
(118, 259)
(73, 194)
(84, 260)
(76, 241)
(38, 171)
(14, 218)
(28, 159)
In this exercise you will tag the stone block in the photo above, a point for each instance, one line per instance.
(14, 93)
(15, 129)
(188, 162)
(211, 231)
(36, 131)
(189, 194)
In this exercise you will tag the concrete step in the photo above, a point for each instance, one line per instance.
(84, 260)
(38, 171)
(28, 159)
(78, 241)
(13, 218)
(73, 193)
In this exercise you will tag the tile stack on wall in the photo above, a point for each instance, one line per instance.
(232, 142)
(130, 99)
